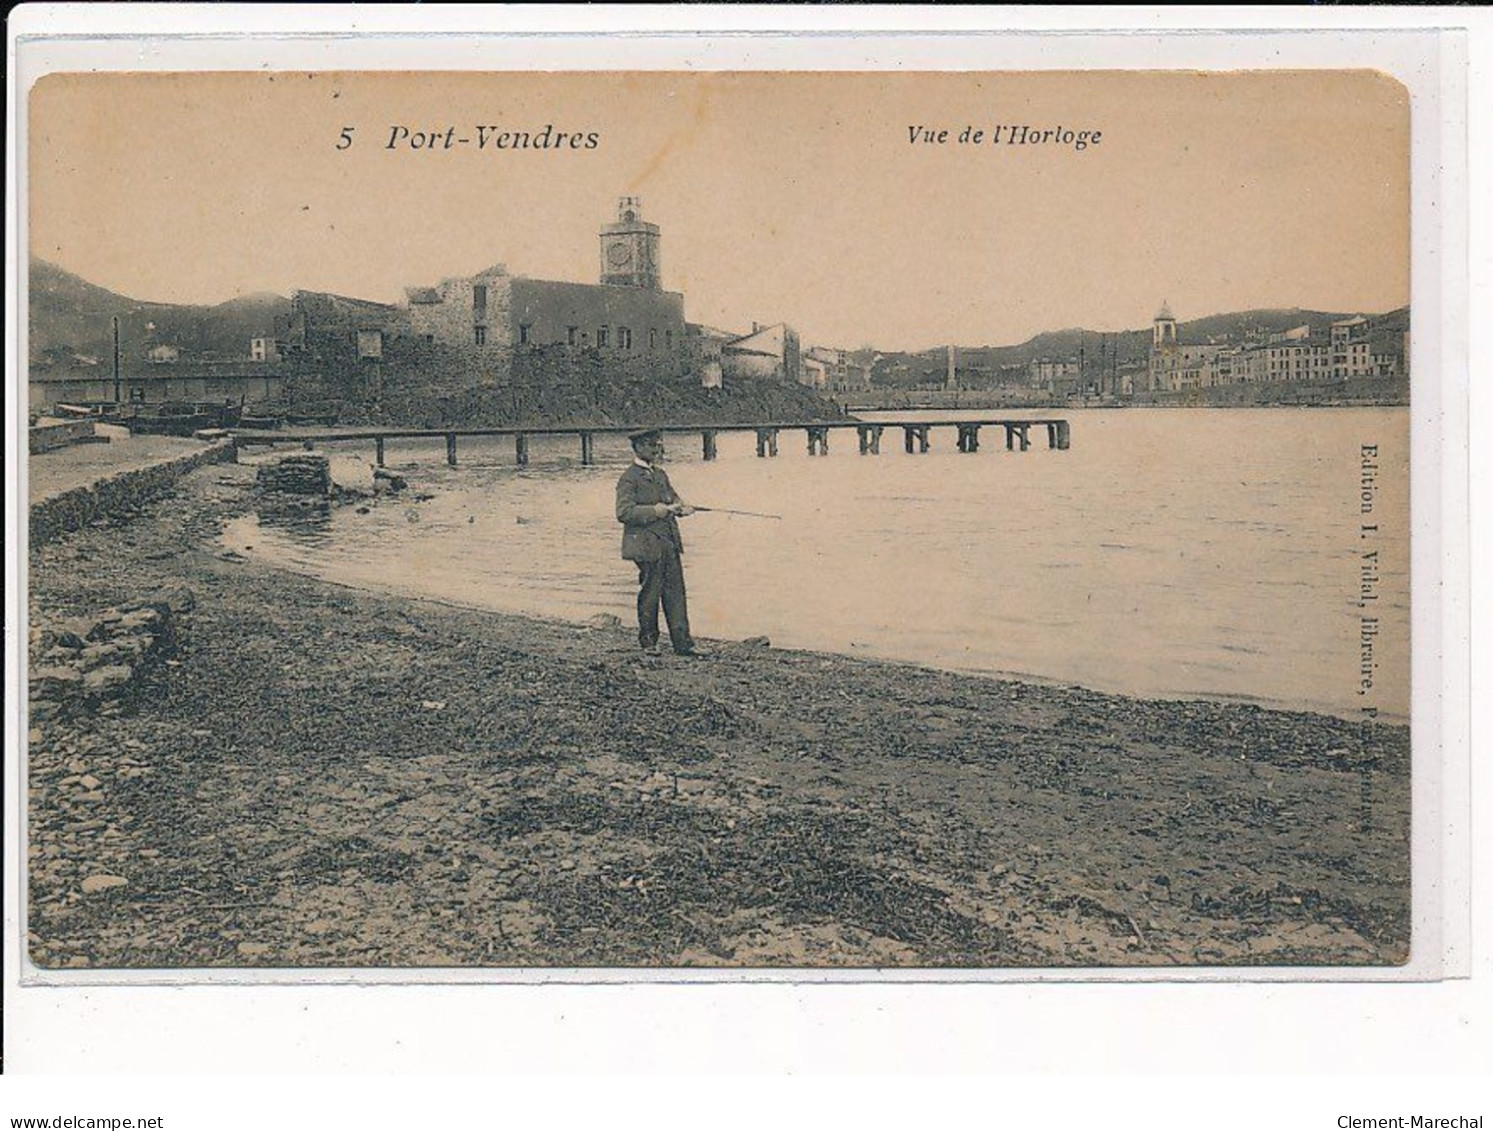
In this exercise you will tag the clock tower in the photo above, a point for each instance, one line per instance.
(629, 248)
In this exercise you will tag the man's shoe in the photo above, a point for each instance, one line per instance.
(650, 650)
(694, 652)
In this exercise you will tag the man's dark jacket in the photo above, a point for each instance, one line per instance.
(646, 537)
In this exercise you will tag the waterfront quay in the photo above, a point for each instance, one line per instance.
(916, 435)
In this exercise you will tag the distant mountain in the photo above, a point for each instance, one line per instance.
(70, 316)
(1255, 324)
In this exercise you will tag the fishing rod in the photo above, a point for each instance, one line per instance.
(728, 510)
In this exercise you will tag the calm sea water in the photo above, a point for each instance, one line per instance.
(1168, 553)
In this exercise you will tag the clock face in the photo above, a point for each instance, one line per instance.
(619, 254)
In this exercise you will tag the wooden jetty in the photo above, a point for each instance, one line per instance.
(916, 435)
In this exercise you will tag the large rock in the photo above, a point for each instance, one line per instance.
(110, 678)
(56, 674)
(102, 881)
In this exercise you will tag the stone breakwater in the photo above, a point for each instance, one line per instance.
(126, 491)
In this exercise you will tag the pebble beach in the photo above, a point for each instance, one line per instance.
(298, 775)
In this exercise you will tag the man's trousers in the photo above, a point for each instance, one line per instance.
(662, 582)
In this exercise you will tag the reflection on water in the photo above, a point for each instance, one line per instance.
(1167, 553)
(299, 520)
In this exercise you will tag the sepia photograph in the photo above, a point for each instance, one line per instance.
(836, 522)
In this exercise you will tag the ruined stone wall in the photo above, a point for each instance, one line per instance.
(96, 664)
(46, 437)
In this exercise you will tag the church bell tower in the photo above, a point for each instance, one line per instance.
(1163, 348)
(629, 248)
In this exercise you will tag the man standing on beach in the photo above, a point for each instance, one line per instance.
(649, 509)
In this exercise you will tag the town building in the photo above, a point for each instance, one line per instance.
(1362, 349)
(1175, 364)
(838, 370)
(815, 370)
(1352, 347)
(1058, 375)
(768, 351)
(706, 344)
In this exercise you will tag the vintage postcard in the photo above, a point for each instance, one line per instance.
(758, 523)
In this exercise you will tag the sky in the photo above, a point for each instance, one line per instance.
(781, 196)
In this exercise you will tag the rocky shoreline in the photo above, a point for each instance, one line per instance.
(301, 775)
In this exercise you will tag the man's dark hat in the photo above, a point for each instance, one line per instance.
(645, 434)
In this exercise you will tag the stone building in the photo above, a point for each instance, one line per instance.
(842, 370)
(1362, 349)
(706, 344)
(329, 325)
(629, 248)
(1295, 355)
(1055, 374)
(1175, 364)
(627, 318)
(768, 351)
(464, 311)
(816, 371)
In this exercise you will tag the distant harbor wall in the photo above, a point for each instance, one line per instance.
(1355, 391)
(72, 510)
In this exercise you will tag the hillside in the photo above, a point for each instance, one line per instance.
(69, 315)
(606, 403)
(70, 319)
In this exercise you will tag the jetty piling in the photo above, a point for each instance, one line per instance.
(915, 436)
